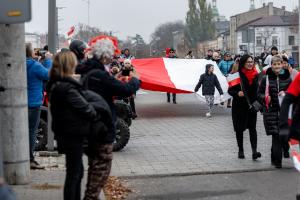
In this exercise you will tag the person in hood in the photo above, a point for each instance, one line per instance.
(271, 90)
(209, 81)
(244, 94)
(36, 75)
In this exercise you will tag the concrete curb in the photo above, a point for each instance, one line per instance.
(203, 173)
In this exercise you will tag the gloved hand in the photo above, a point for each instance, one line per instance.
(2, 89)
(195, 90)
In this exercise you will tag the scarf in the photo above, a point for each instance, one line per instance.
(250, 74)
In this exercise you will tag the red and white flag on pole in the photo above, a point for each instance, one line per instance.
(234, 79)
(176, 75)
(71, 32)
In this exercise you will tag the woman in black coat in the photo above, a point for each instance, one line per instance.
(71, 115)
(278, 82)
(244, 94)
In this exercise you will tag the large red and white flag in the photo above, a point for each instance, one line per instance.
(175, 75)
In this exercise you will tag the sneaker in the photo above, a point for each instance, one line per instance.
(35, 165)
(208, 114)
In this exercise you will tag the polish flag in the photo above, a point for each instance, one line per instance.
(71, 32)
(234, 79)
(267, 92)
(294, 147)
(176, 75)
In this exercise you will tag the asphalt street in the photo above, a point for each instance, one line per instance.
(268, 185)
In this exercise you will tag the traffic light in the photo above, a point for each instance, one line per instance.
(15, 11)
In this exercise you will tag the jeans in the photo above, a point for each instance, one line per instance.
(210, 102)
(74, 173)
(33, 120)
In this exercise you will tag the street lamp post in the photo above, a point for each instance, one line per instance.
(88, 7)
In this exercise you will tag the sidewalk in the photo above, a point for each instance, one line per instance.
(170, 140)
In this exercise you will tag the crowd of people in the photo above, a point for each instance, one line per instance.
(82, 86)
(269, 84)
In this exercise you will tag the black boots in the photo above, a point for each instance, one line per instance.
(256, 155)
(241, 154)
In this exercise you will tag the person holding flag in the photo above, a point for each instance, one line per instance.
(243, 88)
(271, 92)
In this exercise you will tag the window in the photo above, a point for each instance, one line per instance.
(274, 40)
(258, 41)
(248, 36)
(291, 40)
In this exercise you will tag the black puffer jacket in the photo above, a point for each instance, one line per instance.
(208, 83)
(71, 113)
(276, 84)
(98, 80)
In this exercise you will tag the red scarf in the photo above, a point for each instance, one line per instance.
(250, 74)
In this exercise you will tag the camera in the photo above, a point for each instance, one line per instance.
(126, 71)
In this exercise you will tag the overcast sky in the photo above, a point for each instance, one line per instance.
(128, 17)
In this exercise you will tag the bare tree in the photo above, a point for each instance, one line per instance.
(163, 36)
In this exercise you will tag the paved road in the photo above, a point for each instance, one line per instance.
(272, 185)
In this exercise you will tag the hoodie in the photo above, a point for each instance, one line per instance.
(36, 74)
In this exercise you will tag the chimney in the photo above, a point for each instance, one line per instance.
(264, 4)
(271, 8)
(283, 8)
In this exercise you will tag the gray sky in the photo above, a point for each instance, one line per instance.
(128, 17)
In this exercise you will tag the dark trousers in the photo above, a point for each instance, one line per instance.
(169, 97)
(132, 104)
(74, 173)
(33, 122)
(99, 169)
(278, 146)
(253, 140)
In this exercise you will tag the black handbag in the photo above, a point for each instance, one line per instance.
(256, 106)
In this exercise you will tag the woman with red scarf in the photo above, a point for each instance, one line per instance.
(243, 116)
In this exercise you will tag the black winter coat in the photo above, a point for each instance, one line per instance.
(276, 84)
(294, 128)
(101, 82)
(71, 113)
(243, 118)
(208, 83)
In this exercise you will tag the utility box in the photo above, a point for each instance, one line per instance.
(15, 11)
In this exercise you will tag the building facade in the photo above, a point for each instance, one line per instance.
(265, 32)
(244, 18)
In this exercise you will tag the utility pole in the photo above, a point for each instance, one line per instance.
(52, 26)
(88, 7)
(13, 104)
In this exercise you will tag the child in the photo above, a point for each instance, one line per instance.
(209, 81)
(271, 90)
